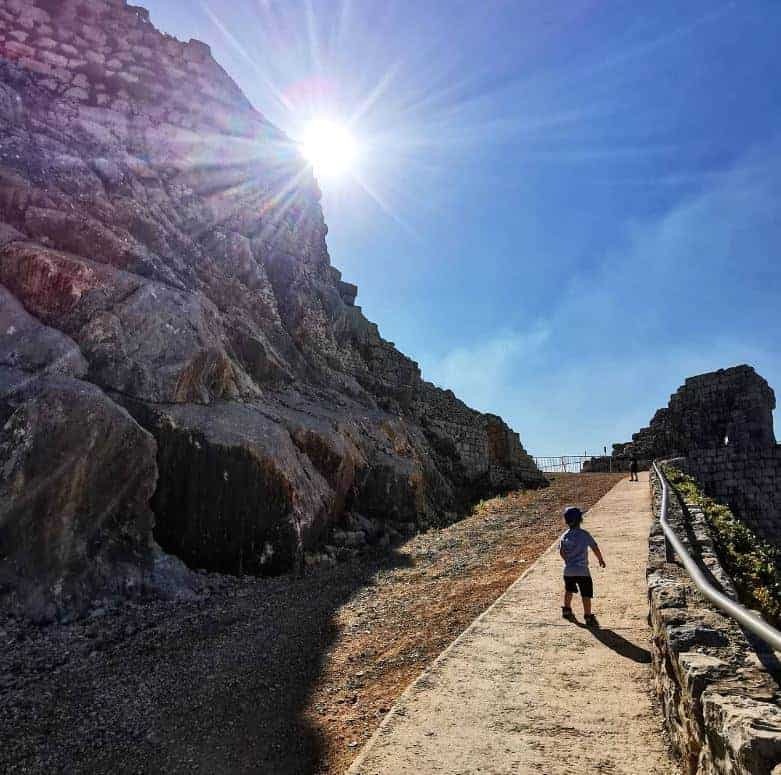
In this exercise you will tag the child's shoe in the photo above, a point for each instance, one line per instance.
(566, 612)
(591, 621)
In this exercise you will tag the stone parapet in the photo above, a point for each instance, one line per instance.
(722, 422)
(719, 691)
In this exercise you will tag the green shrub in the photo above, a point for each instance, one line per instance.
(752, 562)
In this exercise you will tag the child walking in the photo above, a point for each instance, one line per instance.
(573, 548)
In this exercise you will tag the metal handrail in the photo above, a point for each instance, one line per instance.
(751, 620)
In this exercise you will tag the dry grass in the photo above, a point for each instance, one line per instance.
(393, 628)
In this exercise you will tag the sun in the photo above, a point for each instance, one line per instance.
(329, 147)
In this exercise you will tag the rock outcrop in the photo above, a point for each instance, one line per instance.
(175, 347)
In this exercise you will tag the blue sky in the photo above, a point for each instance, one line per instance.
(561, 209)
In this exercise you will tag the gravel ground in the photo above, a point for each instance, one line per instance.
(263, 675)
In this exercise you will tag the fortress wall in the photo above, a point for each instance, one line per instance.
(107, 54)
(722, 423)
(748, 481)
(720, 702)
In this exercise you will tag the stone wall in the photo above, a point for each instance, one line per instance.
(730, 406)
(608, 464)
(746, 480)
(722, 422)
(107, 54)
(719, 692)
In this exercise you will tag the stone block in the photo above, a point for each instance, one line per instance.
(62, 74)
(78, 94)
(37, 67)
(142, 51)
(127, 78)
(35, 14)
(16, 50)
(95, 57)
(93, 34)
(55, 60)
(748, 733)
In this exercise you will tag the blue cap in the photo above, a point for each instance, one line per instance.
(572, 515)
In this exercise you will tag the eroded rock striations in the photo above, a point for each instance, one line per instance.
(175, 347)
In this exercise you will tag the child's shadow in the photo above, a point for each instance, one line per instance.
(619, 644)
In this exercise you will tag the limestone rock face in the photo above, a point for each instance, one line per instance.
(77, 475)
(167, 245)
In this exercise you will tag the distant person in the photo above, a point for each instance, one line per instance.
(633, 470)
(573, 548)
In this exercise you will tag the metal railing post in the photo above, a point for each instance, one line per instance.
(669, 552)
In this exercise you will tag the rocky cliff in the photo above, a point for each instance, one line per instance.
(176, 349)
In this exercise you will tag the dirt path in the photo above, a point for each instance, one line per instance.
(393, 628)
(521, 691)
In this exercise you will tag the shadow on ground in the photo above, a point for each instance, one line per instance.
(216, 686)
(619, 644)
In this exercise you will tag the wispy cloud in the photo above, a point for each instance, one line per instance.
(692, 290)
(481, 372)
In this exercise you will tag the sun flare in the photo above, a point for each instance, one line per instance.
(329, 147)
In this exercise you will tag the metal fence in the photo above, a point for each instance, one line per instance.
(561, 464)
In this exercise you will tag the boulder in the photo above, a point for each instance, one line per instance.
(141, 338)
(29, 346)
(76, 476)
(235, 494)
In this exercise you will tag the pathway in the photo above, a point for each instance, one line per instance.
(523, 691)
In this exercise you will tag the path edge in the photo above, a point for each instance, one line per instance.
(394, 711)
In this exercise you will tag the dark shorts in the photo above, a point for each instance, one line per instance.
(582, 584)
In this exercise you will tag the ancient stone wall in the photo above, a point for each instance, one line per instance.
(722, 422)
(722, 706)
(165, 242)
(107, 54)
(731, 407)
(747, 480)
